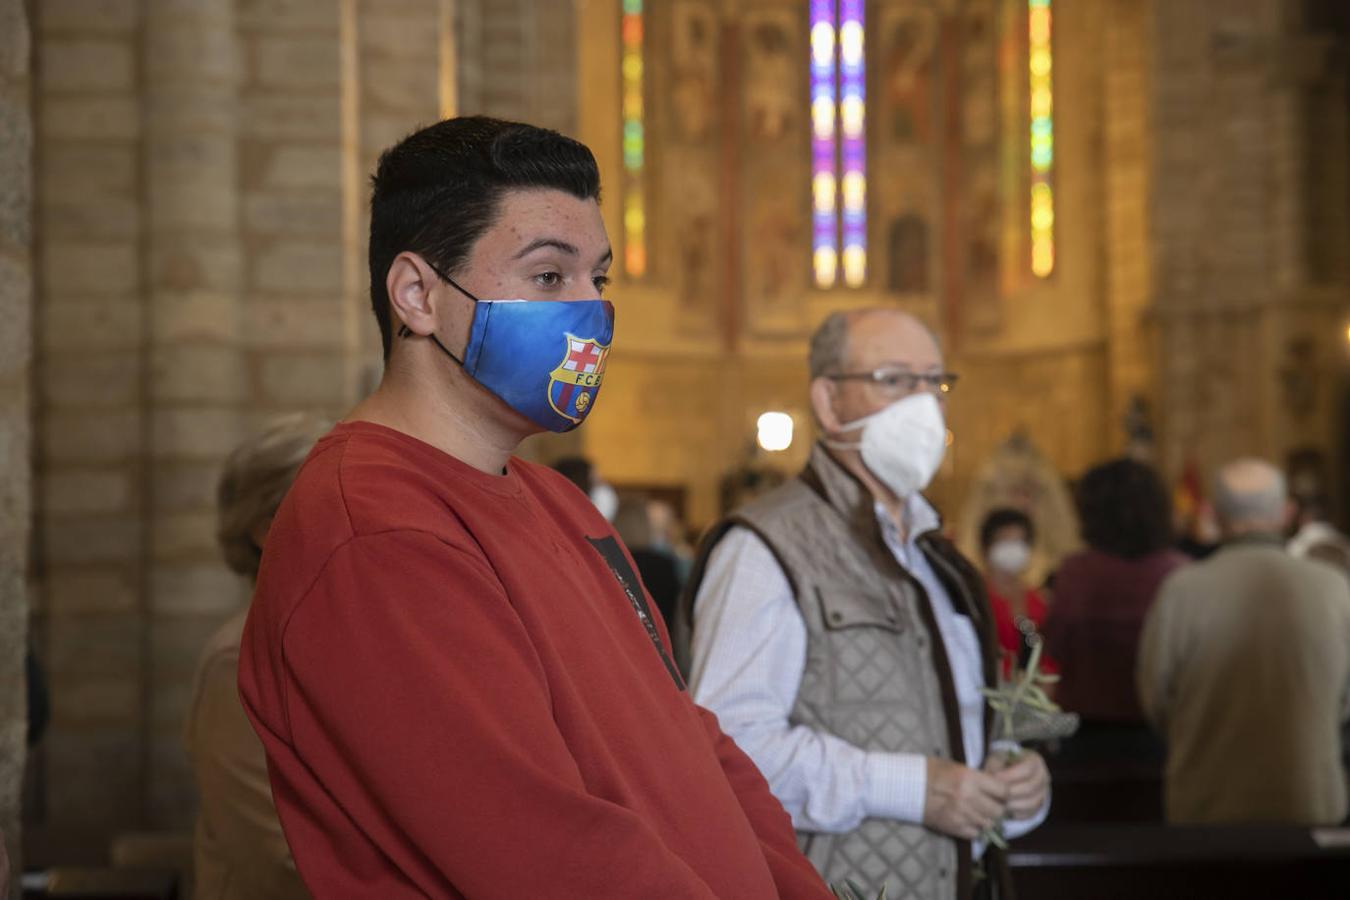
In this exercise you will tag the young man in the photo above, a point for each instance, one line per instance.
(456, 675)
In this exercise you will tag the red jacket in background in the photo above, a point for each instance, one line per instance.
(1011, 641)
(461, 694)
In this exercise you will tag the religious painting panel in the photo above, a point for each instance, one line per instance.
(1013, 156)
(979, 161)
(772, 167)
(907, 87)
(939, 191)
(685, 66)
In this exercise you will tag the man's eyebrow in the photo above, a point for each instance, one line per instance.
(608, 257)
(555, 243)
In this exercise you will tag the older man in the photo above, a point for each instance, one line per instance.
(1245, 667)
(844, 642)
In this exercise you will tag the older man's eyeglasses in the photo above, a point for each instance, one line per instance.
(902, 381)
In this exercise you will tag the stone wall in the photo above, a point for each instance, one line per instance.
(197, 385)
(203, 185)
(1126, 142)
(1252, 354)
(92, 418)
(16, 279)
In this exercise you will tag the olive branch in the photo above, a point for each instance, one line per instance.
(1023, 697)
(848, 890)
(1013, 703)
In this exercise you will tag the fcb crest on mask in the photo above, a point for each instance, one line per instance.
(574, 383)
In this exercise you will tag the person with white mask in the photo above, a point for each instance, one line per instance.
(844, 642)
(1006, 538)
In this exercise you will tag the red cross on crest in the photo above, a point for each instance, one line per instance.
(574, 383)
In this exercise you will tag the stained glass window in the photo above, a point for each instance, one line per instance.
(634, 142)
(838, 142)
(1040, 60)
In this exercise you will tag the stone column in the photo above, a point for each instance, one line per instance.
(90, 339)
(1250, 334)
(16, 280)
(197, 383)
(1126, 140)
(397, 87)
(517, 60)
(298, 240)
(1213, 238)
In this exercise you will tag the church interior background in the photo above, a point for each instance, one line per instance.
(1127, 220)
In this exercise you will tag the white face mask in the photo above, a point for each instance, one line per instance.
(1010, 557)
(903, 444)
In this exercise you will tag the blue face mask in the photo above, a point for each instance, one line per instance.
(544, 358)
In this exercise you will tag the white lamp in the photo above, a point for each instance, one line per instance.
(775, 431)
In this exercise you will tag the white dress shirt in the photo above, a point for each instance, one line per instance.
(748, 657)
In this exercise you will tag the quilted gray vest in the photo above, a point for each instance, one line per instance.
(876, 671)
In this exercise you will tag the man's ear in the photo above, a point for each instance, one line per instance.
(822, 404)
(409, 283)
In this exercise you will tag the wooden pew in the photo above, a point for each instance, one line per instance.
(81, 883)
(1160, 862)
(1107, 796)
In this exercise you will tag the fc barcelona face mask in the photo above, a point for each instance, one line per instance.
(543, 358)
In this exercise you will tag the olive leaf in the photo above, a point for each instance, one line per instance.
(1021, 696)
(848, 889)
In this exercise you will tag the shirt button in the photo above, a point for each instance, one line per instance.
(836, 616)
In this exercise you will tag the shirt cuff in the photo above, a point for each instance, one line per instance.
(1016, 828)
(896, 786)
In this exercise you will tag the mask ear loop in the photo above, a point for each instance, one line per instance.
(405, 332)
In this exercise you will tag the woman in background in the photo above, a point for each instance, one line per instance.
(1006, 539)
(1102, 595)
(239, 849)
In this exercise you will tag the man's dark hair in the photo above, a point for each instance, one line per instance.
(436, 191)
(999, 519)
(1125, 509)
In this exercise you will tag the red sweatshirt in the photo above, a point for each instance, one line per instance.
(462, 694)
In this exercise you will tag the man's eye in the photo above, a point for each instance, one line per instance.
(900, 381)
(601, 282)
(548, 279)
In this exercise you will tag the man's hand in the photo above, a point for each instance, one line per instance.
(961, 801)
(1026, 779)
